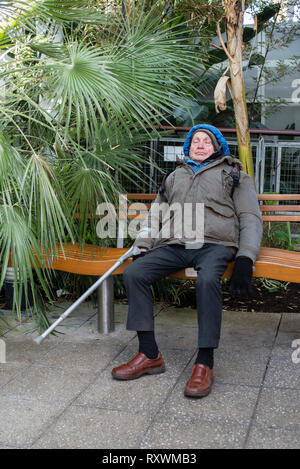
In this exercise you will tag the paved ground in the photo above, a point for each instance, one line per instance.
(60, 394)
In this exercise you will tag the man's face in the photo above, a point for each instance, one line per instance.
(201, 146)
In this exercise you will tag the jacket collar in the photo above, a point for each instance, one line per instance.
(213, 161)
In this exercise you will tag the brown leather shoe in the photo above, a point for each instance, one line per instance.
(138, 366)
(200, 383)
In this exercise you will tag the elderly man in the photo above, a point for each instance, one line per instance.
(232, 230)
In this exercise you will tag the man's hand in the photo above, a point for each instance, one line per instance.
(240, 282)
(141, 254)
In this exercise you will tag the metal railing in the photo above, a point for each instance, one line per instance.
(276, 161)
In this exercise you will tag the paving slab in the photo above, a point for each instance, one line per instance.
(273, 438)
(91, 428)
(22, 351)
(178, 317)
(286, 339)
(89, 356)
(240, 366)
(290, 322)
(8, 447)
(7, 373)
(278, 376)
(89, 331)
(284, 367)
(7, 321)
(246, 340)
(48, 384)
(279, 408)
(22, 327)
(251, 323)
(194, 434)
(177, 338)
(22, 421)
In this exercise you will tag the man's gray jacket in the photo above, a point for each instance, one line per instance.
(231, 220)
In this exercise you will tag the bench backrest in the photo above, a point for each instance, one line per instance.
(274, 207)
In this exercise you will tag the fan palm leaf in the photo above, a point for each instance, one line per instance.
(130, 84)
(20, 13)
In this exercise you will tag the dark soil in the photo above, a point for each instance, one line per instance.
(285, 300)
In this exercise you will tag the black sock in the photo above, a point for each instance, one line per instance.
(147, 344)
(206, 356)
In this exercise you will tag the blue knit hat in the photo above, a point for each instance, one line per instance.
(219, 137)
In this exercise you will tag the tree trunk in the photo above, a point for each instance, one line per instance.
(234, 11)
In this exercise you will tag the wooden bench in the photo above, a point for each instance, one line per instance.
(272, 263)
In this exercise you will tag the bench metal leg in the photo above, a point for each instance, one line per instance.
(106, 318)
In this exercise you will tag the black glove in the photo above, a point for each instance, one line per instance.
(137, 256)
(240, 282)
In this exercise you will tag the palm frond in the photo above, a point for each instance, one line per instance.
(48, 213)
(137, 82)
(23, 12)
(33, 217)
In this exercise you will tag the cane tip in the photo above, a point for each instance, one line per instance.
(38, 340)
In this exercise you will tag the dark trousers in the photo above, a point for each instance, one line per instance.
(210, 262)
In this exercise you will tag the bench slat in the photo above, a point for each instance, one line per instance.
(282, 218)
(92, 261)
(137, 196)
(278, 196)
(280, 208)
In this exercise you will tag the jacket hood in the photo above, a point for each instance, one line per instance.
(219, 136)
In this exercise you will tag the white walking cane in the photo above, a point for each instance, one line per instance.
(134, 250)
